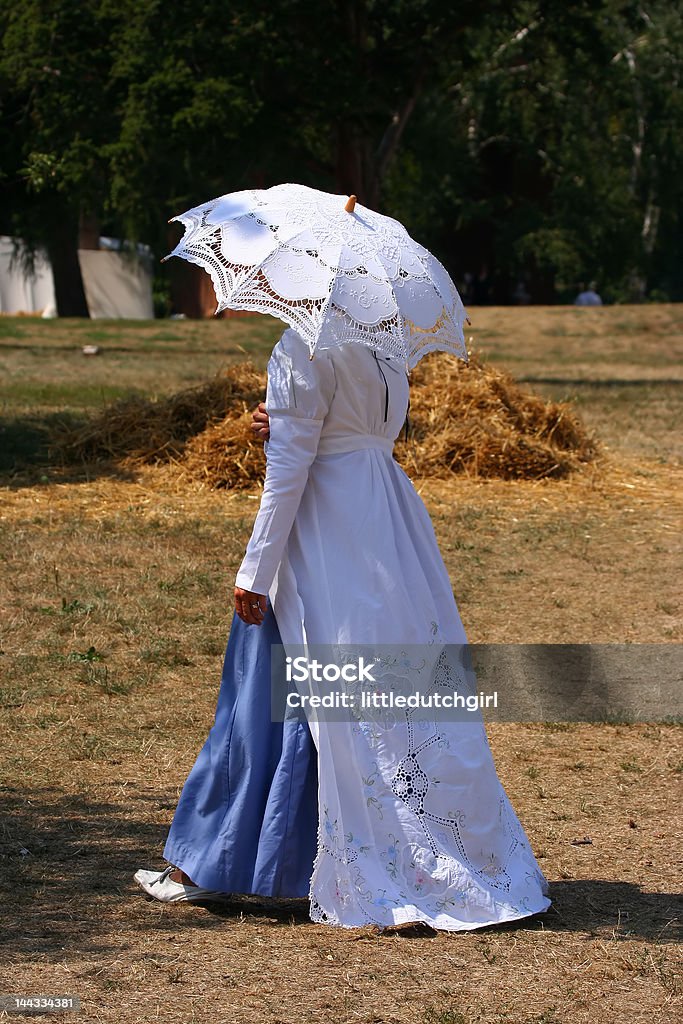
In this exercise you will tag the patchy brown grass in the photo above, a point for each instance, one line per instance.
(114, 612)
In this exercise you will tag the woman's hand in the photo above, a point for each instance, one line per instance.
(260, 423)
(249, 606)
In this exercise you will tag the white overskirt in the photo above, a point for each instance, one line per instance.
(414, 824)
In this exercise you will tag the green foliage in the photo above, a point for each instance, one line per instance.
(539, 138)
(58, 108)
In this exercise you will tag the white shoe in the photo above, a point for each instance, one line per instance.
(162, 888)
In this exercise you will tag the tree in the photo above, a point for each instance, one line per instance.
(250, 94)
(560, 154)
(540, 138)
(58, 112)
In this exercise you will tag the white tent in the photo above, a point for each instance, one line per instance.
(117, 285)
(21, 292)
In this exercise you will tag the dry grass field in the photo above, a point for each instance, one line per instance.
(115, 606)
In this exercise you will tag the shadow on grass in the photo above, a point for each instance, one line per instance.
(148, 348)
(67, 866)
(68, 861)
(24, 440)
(616, 382)
(25, 459)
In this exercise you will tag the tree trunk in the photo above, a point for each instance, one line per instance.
(361, 165)
(62, 248)
(351, 173)
(89, 231)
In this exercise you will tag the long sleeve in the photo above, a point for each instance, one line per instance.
(298, 395)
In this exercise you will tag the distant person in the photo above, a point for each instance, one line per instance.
(520, 295)
(481, 289)
(588, 296)
(467, 287)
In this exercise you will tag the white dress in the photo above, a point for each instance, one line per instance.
(414, 824)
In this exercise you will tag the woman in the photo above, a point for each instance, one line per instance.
(413, 823)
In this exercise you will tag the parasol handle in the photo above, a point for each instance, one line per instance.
(350, 204)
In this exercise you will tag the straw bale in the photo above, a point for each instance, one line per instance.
(464, 418)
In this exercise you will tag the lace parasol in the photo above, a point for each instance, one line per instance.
(332, 269)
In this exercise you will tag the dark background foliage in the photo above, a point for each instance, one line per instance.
(533, 145)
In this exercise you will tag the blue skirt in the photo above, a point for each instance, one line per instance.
(247, 819)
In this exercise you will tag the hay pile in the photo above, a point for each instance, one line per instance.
(475, 419)
(140, 430)
(227, 454)
(465, 418)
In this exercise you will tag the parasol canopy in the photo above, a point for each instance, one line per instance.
(332, 269)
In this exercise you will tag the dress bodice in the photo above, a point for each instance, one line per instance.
(370, 399)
